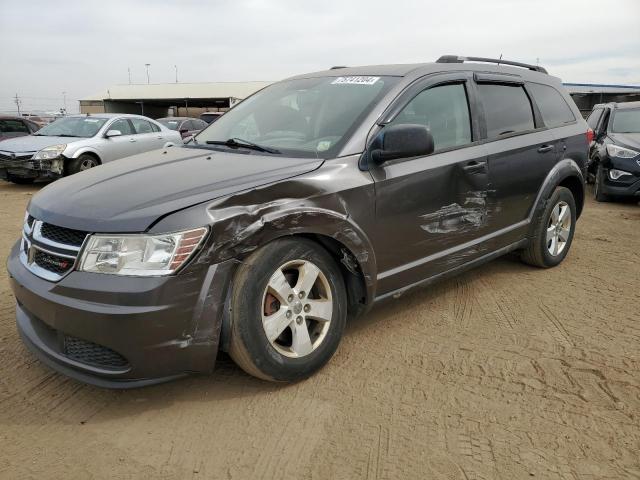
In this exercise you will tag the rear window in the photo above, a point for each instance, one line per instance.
(507, 109)
(553, 107)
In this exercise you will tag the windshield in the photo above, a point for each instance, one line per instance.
(171, 124)
(626, 121)
(73, 127)
(300, 118)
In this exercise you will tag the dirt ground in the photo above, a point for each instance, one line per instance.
(506, 372)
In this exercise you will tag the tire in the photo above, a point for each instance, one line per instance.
(551, 235)
(256, 306)
(83, 162)
(598, 184)
(20, 180)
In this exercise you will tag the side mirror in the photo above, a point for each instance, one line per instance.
(113, 133)
(184, 130)
(403, 141)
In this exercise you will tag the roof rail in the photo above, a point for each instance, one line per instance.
(338, 67)
(458, 59)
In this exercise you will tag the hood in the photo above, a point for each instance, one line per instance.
(129, 195)
(34, 143)
(630, 140)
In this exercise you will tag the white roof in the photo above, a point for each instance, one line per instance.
(162, 91)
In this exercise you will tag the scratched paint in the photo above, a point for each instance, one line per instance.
(471, 214)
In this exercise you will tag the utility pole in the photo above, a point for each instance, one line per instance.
(64, 101)
(147, 65)
(18, 102)
(176, 67)
(129, 72)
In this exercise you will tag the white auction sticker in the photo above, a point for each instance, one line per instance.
(355, 80)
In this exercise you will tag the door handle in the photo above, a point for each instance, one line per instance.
(474, 166)
(132, 140)
(159, 137)
(545, 148)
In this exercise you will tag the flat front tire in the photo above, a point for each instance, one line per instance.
(287, 310)
(554, 232)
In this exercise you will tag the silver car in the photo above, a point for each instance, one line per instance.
(79, 142)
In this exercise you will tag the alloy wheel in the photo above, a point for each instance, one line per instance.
(558, 228)
(297, 307)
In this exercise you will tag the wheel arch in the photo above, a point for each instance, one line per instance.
(88, 151)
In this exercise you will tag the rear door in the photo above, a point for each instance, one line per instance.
(520, 151)
(146, 137)
(121, 146)
(431, 210)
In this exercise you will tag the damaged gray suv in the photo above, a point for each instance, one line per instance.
(303, 206)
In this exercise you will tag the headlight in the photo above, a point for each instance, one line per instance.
(621, 152)
(54, 151)
(616, 174)
(140, 255)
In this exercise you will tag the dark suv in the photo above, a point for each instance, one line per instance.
(614, 156)
(305, 204)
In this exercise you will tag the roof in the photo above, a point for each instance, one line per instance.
(619, 105)
(601, 88)
(169, 91)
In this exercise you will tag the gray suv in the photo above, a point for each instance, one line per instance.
(305, 205)
(79, 142)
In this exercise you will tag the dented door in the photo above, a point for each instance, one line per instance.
(427, 212)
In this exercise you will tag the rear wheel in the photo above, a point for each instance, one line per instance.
(288, 310)
(83, 162)
(598, 187)
(554, 233)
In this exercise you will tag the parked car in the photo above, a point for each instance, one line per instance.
(40, 120)
(211, 117)
(187, 127)
(79, 142)
(11, 127)
(614, 156)
(351, 186)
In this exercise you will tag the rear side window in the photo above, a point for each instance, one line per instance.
(592, 120)
(507, 109)
(553, 108)
(141, 126)
(444, 110)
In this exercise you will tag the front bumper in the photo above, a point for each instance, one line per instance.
(27, 168)
(626, 186)
(124, 332)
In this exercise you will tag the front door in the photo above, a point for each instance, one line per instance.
(123, 145)
(432, 211)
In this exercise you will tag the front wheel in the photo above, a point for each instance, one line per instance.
(554, 233)
(82, 163)
(599, 183)
(288, 310)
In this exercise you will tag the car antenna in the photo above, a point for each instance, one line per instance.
(499, 59)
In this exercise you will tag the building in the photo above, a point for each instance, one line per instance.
(170, 99)
(586, 95)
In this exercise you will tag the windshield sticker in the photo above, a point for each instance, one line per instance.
(323, 146)
(355, 80)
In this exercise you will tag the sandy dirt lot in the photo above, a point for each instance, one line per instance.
(506, 372)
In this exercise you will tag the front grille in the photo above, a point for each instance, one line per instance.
(52, 263)
(92, 354)
(8, 156)
(63, 235)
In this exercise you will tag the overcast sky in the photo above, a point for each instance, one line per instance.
(82, 47)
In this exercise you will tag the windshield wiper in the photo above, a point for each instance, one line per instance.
(239, 142)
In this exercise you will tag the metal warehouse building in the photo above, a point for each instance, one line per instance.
(586, 95)
(178, 99)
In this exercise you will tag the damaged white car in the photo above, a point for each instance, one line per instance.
(79, 142)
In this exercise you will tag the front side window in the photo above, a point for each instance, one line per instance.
(626, 121)
(311, 117)
(592, 120)
(444, 110)
(507, 109)
(123, 126)
(171, 124)
(553, 108)
(84, 127)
